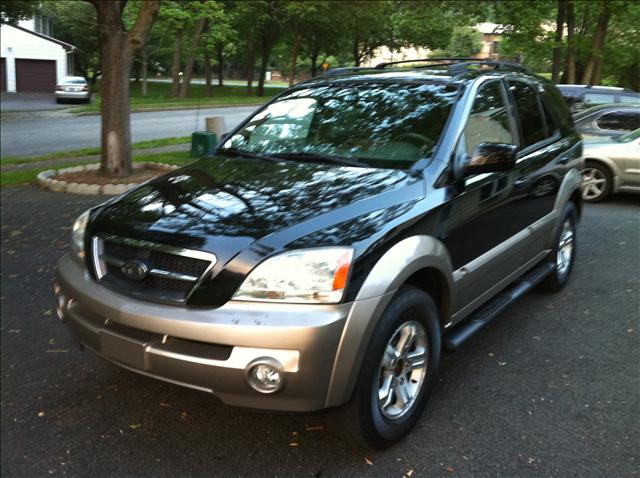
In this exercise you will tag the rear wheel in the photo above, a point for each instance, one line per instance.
(399, 368)
(564, 251)
(596, 182)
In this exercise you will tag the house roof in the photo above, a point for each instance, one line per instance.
(65, 45)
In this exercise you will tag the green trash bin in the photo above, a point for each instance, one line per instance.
(202, 143)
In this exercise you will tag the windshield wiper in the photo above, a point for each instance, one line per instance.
(246, 154)
(321, 158)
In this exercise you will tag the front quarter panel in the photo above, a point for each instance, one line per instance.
(391, 271)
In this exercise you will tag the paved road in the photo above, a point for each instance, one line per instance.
(551, 388)
(30, 134)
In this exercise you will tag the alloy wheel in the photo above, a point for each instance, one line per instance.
(594, 183)
(402, 370)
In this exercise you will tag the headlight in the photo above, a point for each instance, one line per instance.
(301, 276)
(77, 234)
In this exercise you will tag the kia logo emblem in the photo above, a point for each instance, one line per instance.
(134, 270)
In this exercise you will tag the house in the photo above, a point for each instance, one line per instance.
(491, 33)
(31, 59)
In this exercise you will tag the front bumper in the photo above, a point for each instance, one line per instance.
(208, 349)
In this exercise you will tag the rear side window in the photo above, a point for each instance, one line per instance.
(619, 120)
(529, 111)
(488, 121)
(598, 98)
(630, 99)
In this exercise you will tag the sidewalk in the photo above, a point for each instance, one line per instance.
(92, 158)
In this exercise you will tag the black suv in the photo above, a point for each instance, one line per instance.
(336, 242)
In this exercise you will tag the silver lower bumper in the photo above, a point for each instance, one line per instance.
(208, 349)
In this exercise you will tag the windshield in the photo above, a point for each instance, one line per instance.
(626, 138)
(380, 125)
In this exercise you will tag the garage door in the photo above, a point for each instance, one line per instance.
(3, 75)
(36, 76)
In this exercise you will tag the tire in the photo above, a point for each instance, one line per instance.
(597, 182)
(563, 259)
(411, 313)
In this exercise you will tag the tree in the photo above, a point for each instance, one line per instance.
(571, 45)
(557, 46)
(220, 38)
(465, 41)
(366, 26)
(118, 47)
(593, 68)
(12, 11)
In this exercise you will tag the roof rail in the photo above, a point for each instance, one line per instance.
(456, 65)
(381, 66)
(346, 69)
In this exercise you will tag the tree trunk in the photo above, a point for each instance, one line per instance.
(267, 46)
(356, 52)
(117, 51)
(314, 62)
(597, 45)
(220, 66)
(175, 67)
(294, 58)
(596, 78)
(571, 43)
(145, 72)
(250, 66)
(207, 73)
(188, 69)
(114, 86)
(557, 48)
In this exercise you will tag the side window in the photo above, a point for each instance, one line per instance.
(630, 99)
(531, 121)
(552, 126)
(598, 98)
(619, 120)
(488, 121)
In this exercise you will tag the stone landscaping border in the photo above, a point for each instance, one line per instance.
(47, 180)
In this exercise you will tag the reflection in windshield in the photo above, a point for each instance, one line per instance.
(382, 125)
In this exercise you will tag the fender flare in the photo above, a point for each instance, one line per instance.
(405, 258)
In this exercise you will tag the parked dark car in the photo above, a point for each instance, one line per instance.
(579, 97)
(607, 120)
(336, 242)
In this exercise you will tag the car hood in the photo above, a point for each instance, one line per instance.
(224, 205)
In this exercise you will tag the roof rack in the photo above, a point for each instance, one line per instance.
(346, 69)
(456, 65)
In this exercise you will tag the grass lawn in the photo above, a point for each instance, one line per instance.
(16, 178)
(153, 143)
(158, 96)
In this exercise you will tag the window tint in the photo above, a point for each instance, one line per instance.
(488, 121)
(619, 120)
(599, 98)
(531, 121)
(552, 126)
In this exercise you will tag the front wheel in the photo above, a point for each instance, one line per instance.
(399, 368)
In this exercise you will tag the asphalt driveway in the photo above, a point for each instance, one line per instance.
(29, 102)
(551, 388)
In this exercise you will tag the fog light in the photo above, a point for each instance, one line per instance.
(265, 375)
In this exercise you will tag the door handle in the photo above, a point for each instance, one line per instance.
(521, 181)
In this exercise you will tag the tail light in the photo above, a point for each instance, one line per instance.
(85, 88)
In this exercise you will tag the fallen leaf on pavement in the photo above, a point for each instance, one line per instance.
(367, 461)
(137, 425)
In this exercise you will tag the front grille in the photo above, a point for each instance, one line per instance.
(148, 270)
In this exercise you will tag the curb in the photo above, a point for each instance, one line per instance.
(45, 180)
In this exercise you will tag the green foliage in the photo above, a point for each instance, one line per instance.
(465, 41)
(12, 11)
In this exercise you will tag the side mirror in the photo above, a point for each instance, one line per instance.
(491, 157)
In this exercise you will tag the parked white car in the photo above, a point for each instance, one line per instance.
(611, 165)
(73, 88)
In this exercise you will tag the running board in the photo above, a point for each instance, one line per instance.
(454, 339)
